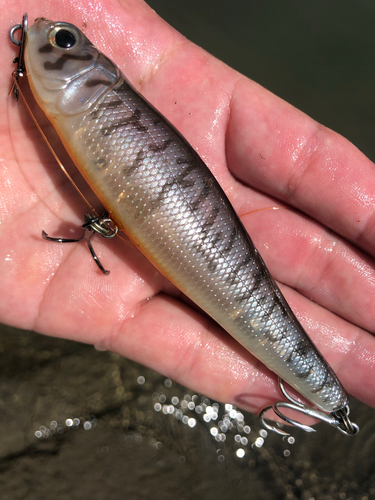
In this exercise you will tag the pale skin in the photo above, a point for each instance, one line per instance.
(319, 244)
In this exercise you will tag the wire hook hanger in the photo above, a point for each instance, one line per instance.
(19, 60)
(103, 225)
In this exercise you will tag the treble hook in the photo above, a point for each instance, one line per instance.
(339, 419)
(101, 225)
(19, 60)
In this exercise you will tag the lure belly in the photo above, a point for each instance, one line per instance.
(159, 191)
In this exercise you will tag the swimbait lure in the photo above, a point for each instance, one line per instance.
(158, 190)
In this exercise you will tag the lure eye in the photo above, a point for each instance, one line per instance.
(65, 39)
(64, 36)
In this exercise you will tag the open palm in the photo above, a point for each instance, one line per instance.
(305, 195)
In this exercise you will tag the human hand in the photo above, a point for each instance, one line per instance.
(265, 154)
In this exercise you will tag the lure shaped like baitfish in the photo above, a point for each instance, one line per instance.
(157, 189)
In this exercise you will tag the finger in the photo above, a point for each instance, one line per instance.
(275, 148)
(311, 259)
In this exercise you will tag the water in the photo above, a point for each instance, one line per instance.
(76, 423)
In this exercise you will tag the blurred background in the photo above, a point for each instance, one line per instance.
(76, 423)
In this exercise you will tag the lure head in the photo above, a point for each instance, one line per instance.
(67, 74)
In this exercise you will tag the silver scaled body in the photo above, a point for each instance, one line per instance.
(158, 190)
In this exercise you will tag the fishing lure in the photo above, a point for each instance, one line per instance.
(160, 193)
